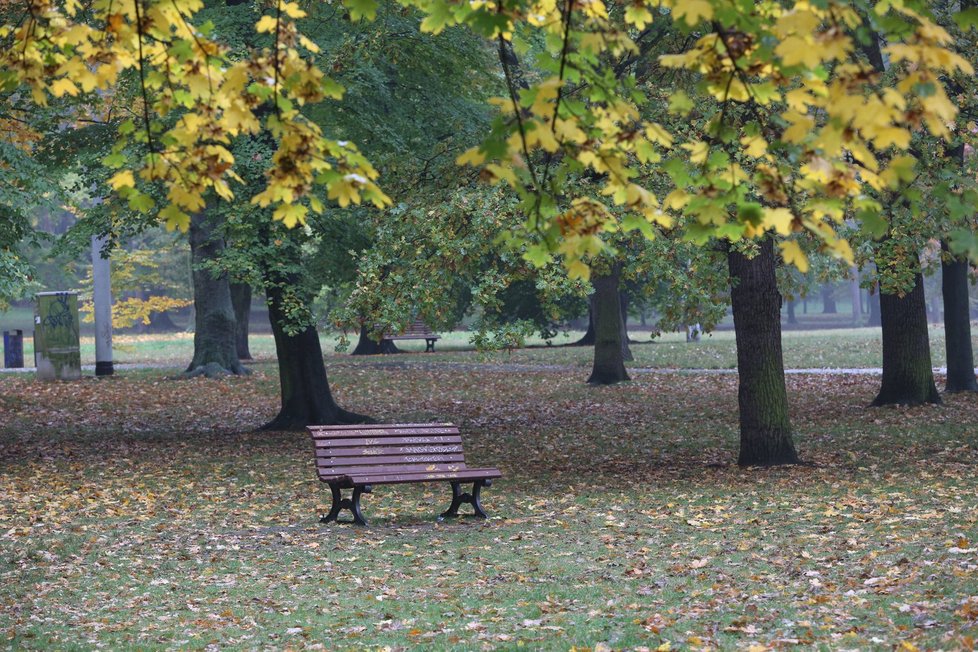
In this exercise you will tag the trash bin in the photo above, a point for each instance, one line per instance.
(56, 337)
(13, 349)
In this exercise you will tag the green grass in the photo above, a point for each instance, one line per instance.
(842, 348)
(142, 512)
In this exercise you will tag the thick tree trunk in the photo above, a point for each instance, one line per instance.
(957, 326)
(215, 350)
(306, 397)
(907, 375)
(368, 346)
(609, 360)
(765, 430)
(828, 300)
(241, 300)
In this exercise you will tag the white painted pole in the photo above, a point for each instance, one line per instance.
(102, 298)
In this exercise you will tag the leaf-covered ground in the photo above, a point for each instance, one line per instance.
(139, 511)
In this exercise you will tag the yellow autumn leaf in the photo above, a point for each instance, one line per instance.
(793, 255)
(754, 146)
(122, 179)
(698, 151)
(471, 156)
(795, 50)
(692, 11)
(62, 87)
(779, 219)
(291, 214)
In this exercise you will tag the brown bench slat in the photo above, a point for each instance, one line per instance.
(398, 478)
(383, 426)
(401, 469)
(423, 449)
(354, 456)
(387, 441)
(398, 432)
(341, 462)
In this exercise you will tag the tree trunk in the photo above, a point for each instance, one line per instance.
(589, 336)
(828, 300)
(957, 326)
(215, 351)
(855, 296)
(368, 346)
(907, 375)
(241, 300)
(306, 397)
(792, 319)
(765, 430)
(874, 306)
(626, 352)
(609, 360)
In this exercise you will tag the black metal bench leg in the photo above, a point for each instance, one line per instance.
(429, 345)
(355, 506)
(457, 499)
(352, 504)
(334, 511)
(473, 499)
(477, 498)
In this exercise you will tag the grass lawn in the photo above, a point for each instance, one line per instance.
(142, 512)
(838, 348)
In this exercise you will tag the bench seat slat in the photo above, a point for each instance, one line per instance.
(381, 469)
(382, 426)
(388, 441)
(418, 449)
(342, 462)
(397, 478)
(393, 432)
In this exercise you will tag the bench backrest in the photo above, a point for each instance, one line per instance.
(417, 327)
(372, 448)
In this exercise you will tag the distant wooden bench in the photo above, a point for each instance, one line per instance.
(358, 457)
(416, 330)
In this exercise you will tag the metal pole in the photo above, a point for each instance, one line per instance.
(102, 298)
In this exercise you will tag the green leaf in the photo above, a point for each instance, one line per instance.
(967, 19)
(361, 9)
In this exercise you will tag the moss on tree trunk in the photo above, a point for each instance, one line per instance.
(765, 429)
(215, 346)
(908, 378)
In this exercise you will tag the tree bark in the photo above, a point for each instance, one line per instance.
(765, 429)
(215, 350)
(957, 326)
(241, 300)
(907, 375)
(589, 336)
(855, 296)
(874, 318)
(306, 397)
(626, 351)
(368, 346)
(609, 359)
(828, 300)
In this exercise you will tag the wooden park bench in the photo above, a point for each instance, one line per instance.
(416, 330)
(358, 457)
